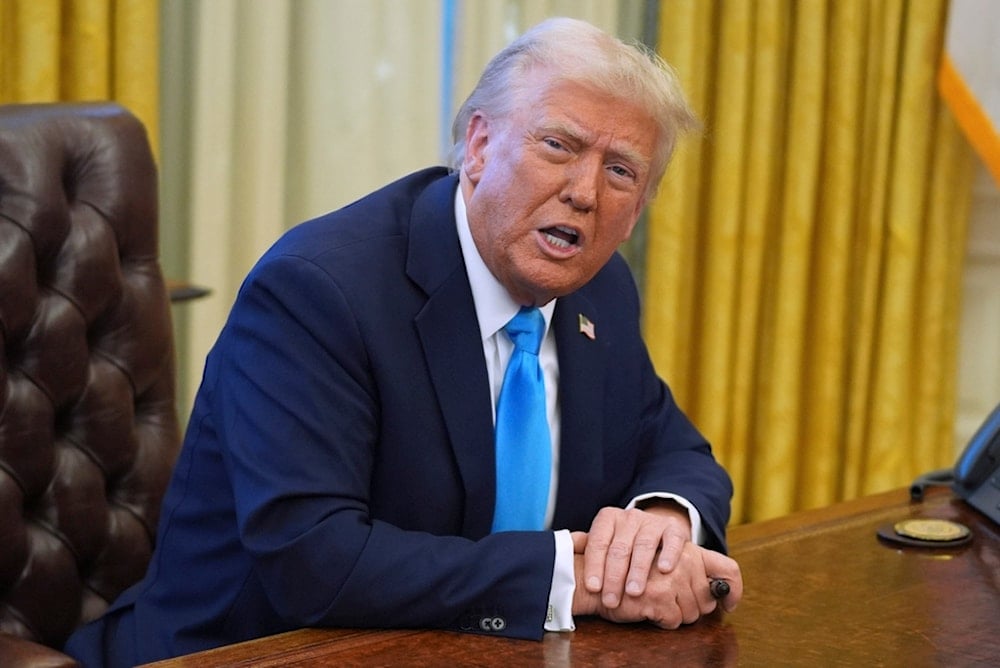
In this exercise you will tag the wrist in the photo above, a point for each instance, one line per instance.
(667, 508)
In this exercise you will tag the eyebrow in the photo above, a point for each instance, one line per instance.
(626, 153)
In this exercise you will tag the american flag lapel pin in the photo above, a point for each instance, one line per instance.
(587, 327)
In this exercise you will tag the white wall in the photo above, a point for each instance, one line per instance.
(979, 351)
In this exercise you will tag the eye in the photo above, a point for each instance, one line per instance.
(622, 171)
(554, 143)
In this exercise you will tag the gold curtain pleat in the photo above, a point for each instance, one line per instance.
(805, 254)
(75, 50)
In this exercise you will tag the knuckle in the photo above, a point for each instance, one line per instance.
(690, 613)
(675, 537)
(606, 515)
(619, 550)
(645, 544)
(640, 569)
(667, 619)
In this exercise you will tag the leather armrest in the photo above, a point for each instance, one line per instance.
(20, 653)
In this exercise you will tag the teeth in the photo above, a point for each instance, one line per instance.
(557, 241)
(561, 236)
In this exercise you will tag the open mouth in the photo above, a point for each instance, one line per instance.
(561, 237)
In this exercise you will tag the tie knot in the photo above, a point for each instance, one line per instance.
(526, 328)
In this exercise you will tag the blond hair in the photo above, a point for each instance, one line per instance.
(583, 53)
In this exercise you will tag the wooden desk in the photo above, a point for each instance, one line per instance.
(821, 590)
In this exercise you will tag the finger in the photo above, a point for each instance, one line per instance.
(598, 541)
(618, 556)
(686, 605)
(616, 564)
(644, 547)
(720, 567)
(579, 541)
(666, 615)
(690, 606)
(670, 554)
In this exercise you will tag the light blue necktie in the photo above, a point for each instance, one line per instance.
(523, 445)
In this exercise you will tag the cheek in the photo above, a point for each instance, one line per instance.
(507, 216)
(616, 233)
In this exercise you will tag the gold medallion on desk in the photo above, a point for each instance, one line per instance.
(926, 532)
(932, 530)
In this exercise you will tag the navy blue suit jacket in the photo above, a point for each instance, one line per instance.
(338, 468)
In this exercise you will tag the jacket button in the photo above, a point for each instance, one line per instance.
(492, 623)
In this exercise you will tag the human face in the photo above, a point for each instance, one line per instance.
(554, 187)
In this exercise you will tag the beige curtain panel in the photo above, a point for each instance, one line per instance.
(805, 256)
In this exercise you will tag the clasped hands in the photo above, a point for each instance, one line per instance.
(640, 565)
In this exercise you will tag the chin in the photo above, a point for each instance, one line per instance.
(557, 290)
(546, 285)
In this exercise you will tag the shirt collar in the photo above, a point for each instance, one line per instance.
(494, 305)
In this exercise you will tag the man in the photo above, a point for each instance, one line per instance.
(340, 467)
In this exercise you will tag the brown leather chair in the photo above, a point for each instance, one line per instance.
(88, 423)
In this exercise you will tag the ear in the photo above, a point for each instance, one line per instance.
(635, 218)
(631, 227)
(476, 140)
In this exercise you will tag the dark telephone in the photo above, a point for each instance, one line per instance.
(977, 471)
(976, 475)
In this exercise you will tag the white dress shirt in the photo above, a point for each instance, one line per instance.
(494, 309)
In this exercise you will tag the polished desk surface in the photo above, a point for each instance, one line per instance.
(821, 590)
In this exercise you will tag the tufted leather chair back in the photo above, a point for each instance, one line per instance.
(88, 424)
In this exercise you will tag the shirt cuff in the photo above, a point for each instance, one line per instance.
(697, 531)
(560, 611)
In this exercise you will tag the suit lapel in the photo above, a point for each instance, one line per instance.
(582, 365)
(449, 333)
(452, 343)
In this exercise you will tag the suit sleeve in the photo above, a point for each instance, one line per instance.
(677, 459)
(674, 456)
(300, 420)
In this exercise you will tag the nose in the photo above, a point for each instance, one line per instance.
(582, 183)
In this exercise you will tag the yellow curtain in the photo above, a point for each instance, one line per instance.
(805, 255)
(74, 50)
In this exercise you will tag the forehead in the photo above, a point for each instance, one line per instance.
(589, 113)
